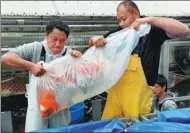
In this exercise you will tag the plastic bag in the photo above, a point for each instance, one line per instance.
(69, 80)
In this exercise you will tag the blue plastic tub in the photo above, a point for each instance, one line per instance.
(77, 112)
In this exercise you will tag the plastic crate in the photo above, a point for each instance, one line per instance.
(77, 112)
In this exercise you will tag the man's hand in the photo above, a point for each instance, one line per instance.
(76, 54)
(135, 25)
(99, 41)
(37, 70)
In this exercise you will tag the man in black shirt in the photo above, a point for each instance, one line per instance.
(149, 46)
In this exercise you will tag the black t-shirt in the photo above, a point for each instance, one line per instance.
(148, 49)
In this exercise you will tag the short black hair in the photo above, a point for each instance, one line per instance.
(162, 81)
(58, 25)
(129, 3)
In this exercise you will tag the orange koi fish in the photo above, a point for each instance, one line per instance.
(48, 104)
(85, 69)
(47, 101)
(66, 78)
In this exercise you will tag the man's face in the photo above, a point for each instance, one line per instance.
(126, 16)
(56, 40)
(157, 90)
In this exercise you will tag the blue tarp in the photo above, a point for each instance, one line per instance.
(168, 121)
(179, 115)
(111, 125)
(155, 126)
(177, 119)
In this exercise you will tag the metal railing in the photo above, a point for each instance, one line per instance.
(150, 116)
(44, 22)
(74, 46)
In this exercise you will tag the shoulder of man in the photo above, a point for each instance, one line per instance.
(159, 32)
(35, 47)
(112, 31)
(26, 51)
(28, 45)
(68, 50)
(169, 105)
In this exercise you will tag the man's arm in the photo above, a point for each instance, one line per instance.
(98, 41)
(75, 54)
(15, 60)
(172, 27)
(90, 42)
(21, 56)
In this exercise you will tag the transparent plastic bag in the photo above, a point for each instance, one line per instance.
(70, 80)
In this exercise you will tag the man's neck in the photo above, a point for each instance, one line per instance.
(162, 96)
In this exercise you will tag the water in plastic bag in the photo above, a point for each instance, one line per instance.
(70, 80)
